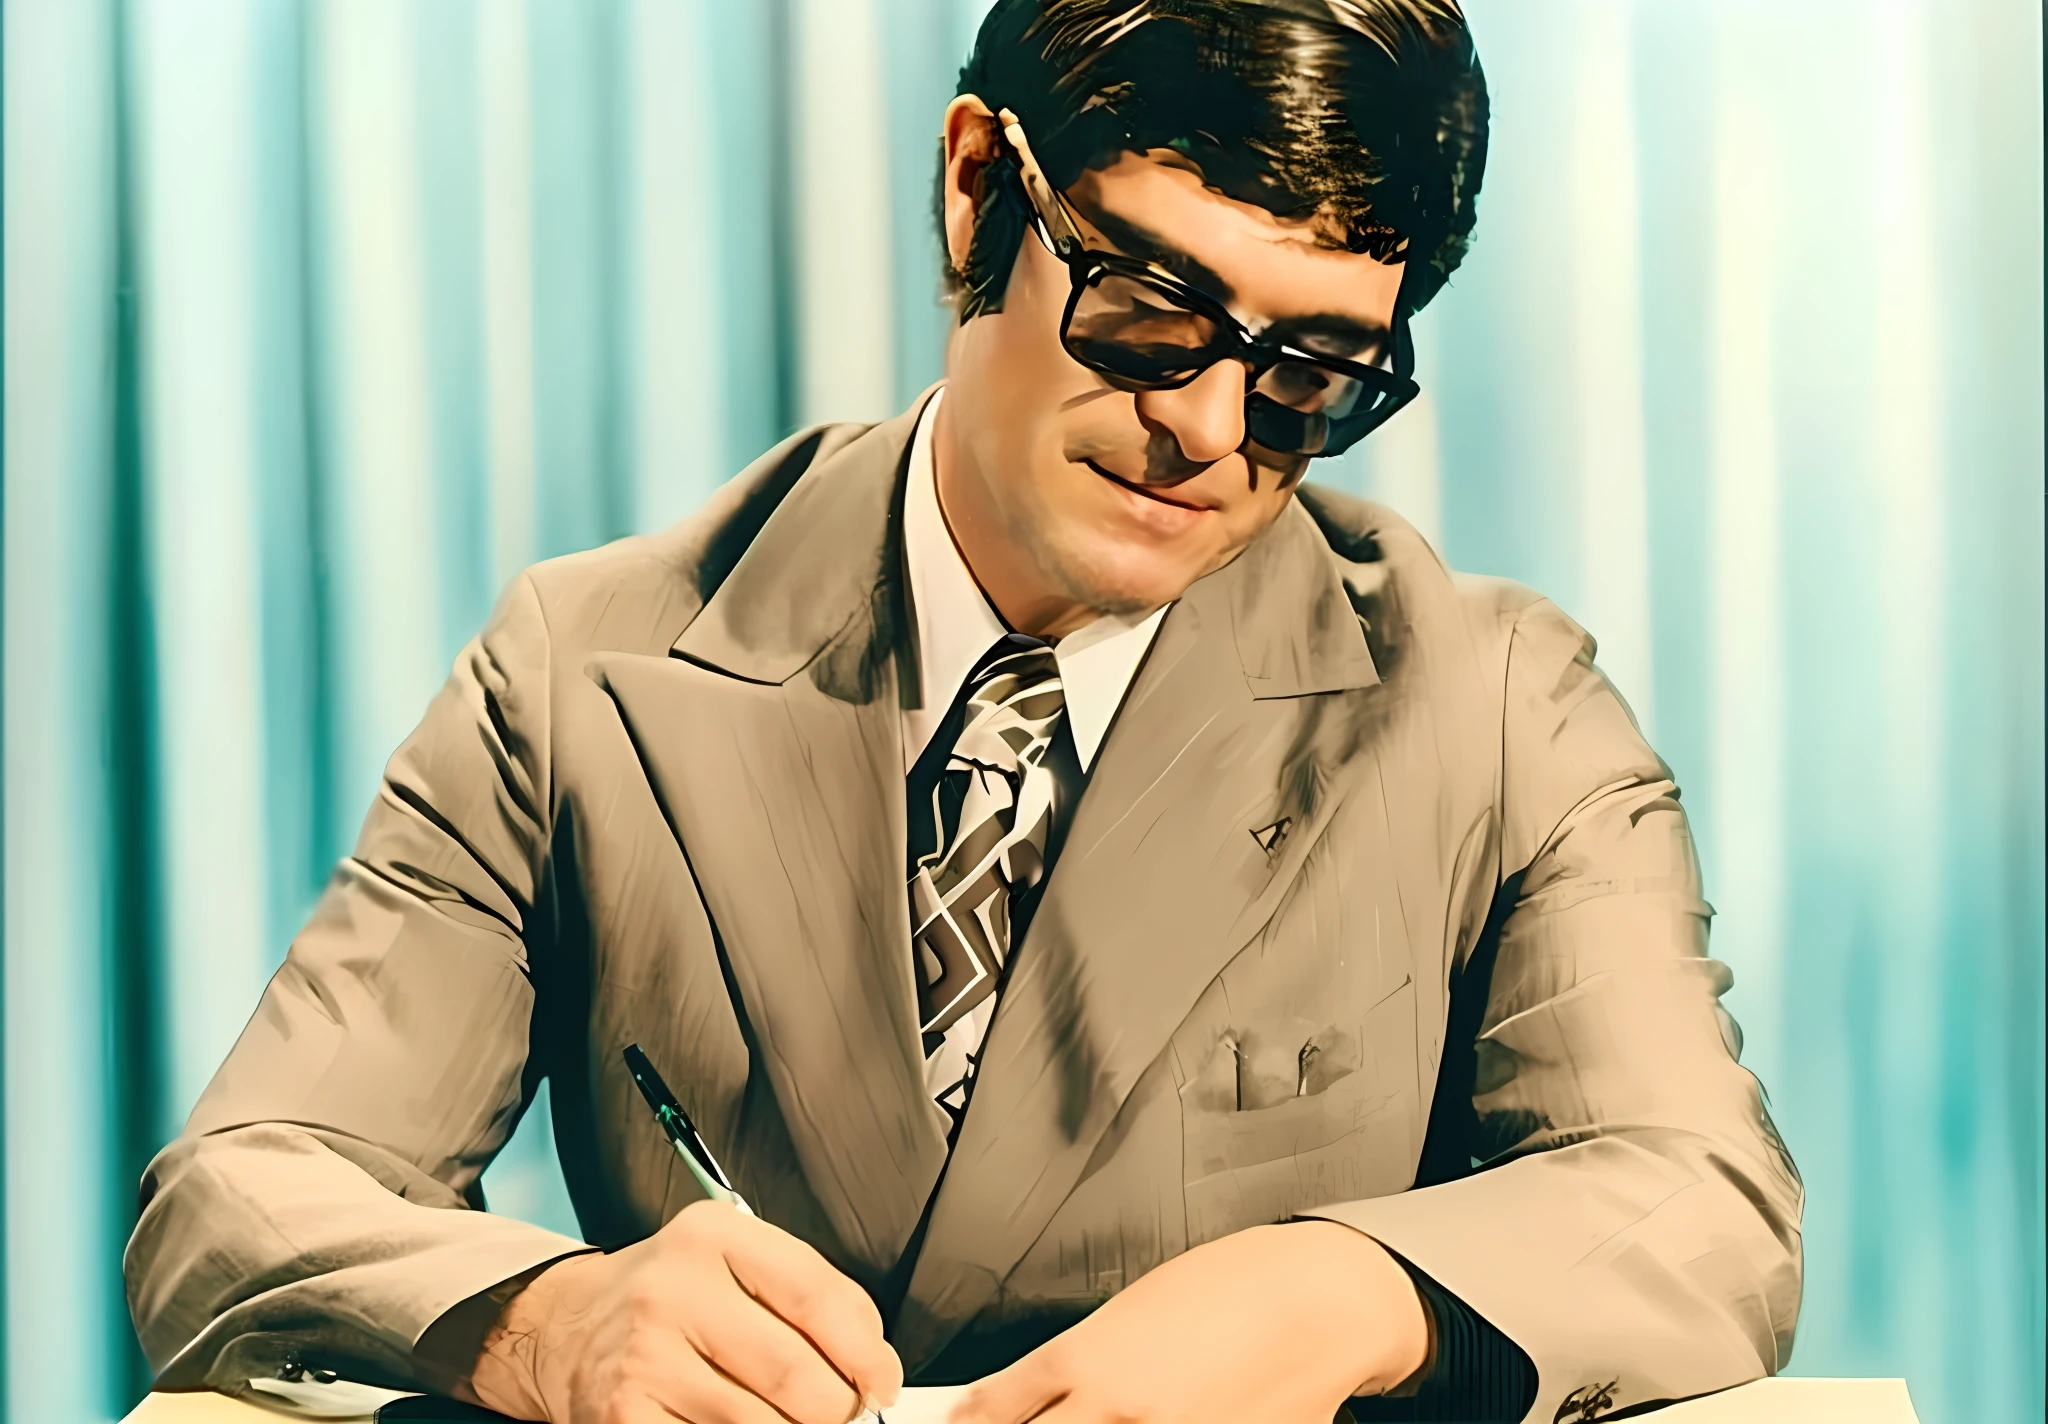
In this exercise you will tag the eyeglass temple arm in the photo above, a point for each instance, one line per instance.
(1052, 212)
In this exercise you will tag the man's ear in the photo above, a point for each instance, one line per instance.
(969, 135)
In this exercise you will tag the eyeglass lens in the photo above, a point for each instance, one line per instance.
(1128, 329)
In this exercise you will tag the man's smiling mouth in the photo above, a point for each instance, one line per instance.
(1149, 492)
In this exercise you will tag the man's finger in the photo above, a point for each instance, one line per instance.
(757, 1349)
(793, 1280)
(636, 1409)
(697, 1393)
(1069, 1409)
(1024, 1391)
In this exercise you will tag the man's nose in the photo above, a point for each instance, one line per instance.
(1205, 416)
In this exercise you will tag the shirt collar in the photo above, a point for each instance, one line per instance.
(956, 623)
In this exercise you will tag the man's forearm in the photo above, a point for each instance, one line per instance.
(264, 1246)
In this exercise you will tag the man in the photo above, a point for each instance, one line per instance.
(1136, 928)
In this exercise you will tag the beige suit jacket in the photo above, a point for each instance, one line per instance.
(661, 799)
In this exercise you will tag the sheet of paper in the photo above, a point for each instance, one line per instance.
(1771, 1401)
(310, 1399)
(1799, 1401)
(929, 1405)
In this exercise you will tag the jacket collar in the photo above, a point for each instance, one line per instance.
(829, 557)
(832, 553)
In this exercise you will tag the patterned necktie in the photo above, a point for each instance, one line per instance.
(980, 854)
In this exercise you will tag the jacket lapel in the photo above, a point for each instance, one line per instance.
(1216, 780)
(772, 736)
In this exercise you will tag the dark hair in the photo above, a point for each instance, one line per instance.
(1368, 116)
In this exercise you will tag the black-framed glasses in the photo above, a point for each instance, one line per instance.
(1147, 330)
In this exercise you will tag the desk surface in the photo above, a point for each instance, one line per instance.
(1773, 1401)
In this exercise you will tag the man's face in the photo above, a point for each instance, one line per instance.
(1073, 498)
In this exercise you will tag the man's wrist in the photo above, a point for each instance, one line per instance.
(1403, 1329)
(504, 1373)
(1412, 1383)
(1474, 1371)
(1385, 1323)
(446, 1352)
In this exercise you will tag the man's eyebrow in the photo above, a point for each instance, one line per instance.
(1135, 240)
(1148, 246)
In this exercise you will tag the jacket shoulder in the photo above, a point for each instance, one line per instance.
(1365, 532)
(637, 594)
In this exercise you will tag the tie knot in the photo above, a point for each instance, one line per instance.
(1014, 694)
(1011, 671)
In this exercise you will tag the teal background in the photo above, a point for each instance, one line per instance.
(323, 318)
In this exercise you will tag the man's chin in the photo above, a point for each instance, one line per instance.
(1121, 587)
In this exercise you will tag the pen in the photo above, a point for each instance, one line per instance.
(689, 1144)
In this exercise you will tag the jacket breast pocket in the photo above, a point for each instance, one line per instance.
(1282, 1114)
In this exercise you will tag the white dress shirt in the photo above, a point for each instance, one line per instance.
(956, 624)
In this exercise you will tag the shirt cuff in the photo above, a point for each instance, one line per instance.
(1472, 1373)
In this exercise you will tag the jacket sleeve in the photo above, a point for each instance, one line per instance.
(1633, 1224)
(320, 1206)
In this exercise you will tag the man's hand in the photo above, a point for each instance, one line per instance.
(1278, 1323)
(718, 1318)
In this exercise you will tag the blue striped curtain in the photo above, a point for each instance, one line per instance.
(325, 316)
